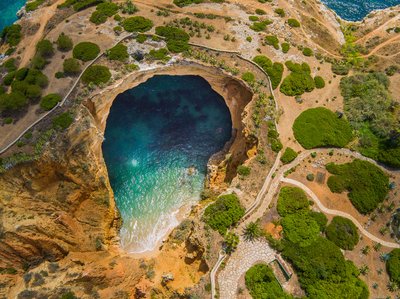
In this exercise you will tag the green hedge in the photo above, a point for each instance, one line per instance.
(224, 213)
(320, 127)
(86, 51)
(118, 52)
(292, 200)
(393, 266)
(343, 233)
(96, 74)
(137, 24)
(262, 284)
(50, 101)
(298, 81)
(288, 156)
(366, 183)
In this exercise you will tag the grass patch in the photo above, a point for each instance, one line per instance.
(366, 183)
(343, 233)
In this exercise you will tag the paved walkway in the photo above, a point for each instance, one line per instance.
(246, 255)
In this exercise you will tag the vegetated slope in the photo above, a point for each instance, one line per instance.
(320, 127)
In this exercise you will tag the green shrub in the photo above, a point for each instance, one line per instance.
(31, 6)
(274, 70)
(10, 65)
(260, 11)
(182, 3)
(262, 284)
(21, 74)
(9, 78)
(98, 17)
(118, 52)
(366, 183)
(254, 18)
(129, 8)
(393, 266)
(12, 34)
(7, 120)
(86, 51)
(319, 82)
(260, 26)
(292, 200)
(71, 66)
(96, 74)
(300, 229)
(137, 24)
(177, 39)
(64, 43)
(103, 11)
(288, 156)
(224, 213)
(249, 77)
(50, 101)
(298, 81)
(272, 40)
(45, 48)
(177, 46)
(160, 54)
(141, 38)
(293, 23)
(310, 177)
(38, 62)
(308, 52)
(343, 233)
(285, 47)
(59, 75)
(12, 102)
(320, 218)
(280, 12)
(79, 5)
(320, 127)
(243, 170)
(63, 121)
(340, 69)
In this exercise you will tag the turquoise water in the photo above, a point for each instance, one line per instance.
(356, 10)
(158, 139)
(8, 10)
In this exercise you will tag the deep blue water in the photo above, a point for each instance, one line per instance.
(158, 139)
(356, 10)
(8, 10)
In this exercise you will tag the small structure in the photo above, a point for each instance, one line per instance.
(281, 270)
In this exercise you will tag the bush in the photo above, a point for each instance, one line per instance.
(182, 3)
(12, 102)
(307, 52)
(137, 24)
(274, 70)
(12, 34)
(224, 213)
(64, 43)
(248, 77)
(177, 39)
(292, 200)
(320, 218)
(320, 127)
(260, 11)
(293, 23)
(319, 82)
(254, 18)
(45, 48)
(38, 62)
(63, 121)
(272, 40)
(9, 78)
(243, 170)
(298, 81)
(31, 6)
(141, 38)
(103, 11)
(262, 284)
(340, 69)
(288, 156)
(300, 229)
(10, 65)
(50, 101)
(59, 75)
(96, 74)
(310, 177)
(160, 54)
(285, 47)
(86, 51)
(393, 266)
(71, 66)
(118, 52)
(343, 233)
(260, 26)
(280, 12)
(366, 183)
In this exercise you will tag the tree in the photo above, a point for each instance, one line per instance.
(86, 51)
(64, 43)
(118, 52)
(96, 74)
(231, 241)
(71, 66)
(343, 233)
(45, 48)
(252, 231)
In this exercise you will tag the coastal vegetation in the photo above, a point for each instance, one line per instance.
(274, 70)
(79, 5)
(343, 233)
(367, 184)
(224, 213)
(288, 155)
(96, 74)
(50, 101)
(320, 265)
(118, 52)
(262, 284)
(137, 24)
(371, 111)
(103, 12)
(176, 38)
(86, 51)
(12, 34)
(298, 81)
(320, 127)
(63, 121)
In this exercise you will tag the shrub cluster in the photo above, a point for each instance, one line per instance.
(182, 3)
(272, 40)
(293, 23)
(298, 81)
(366, 183)
(274, 70)
(118, 52)
(63, 121)
(12, 34)
(86, 51)
(288, 156)
(177, 39)
(33, 5)
(224, 213)
(273, 138)
(243, 170)
(71, 66)
(393, 266)
(96, 74)
(285, 47)
(320, 127)
(79, 5)
(64, 43)
(50, 101)
(292, 200)
(260, 26)
(103, 12)
(319, 82)
(343, 233)
(308, 52)
(137, 24)
(160, 54)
